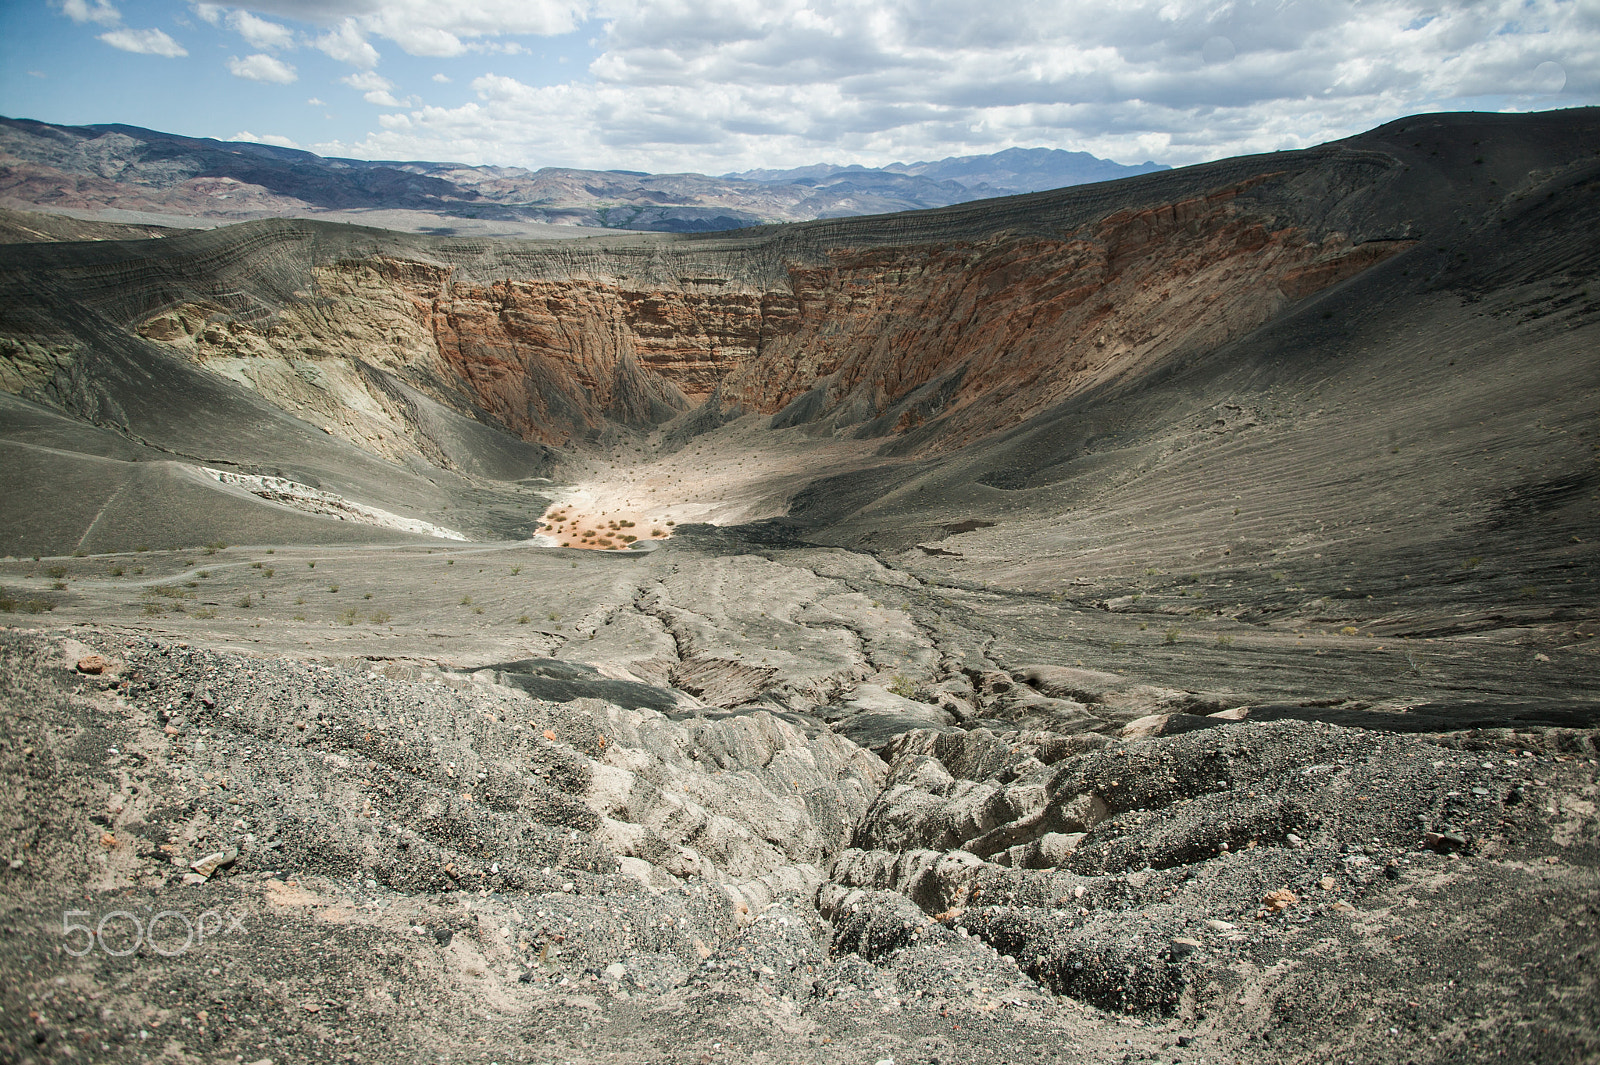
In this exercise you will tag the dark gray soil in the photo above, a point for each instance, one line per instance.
(375, 912)
(1243, 708)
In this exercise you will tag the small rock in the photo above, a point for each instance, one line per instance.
(1186, 1040)
(93, 664)
(16, 863)
(1443, 841)
(194, 879)
(1326, 883)
(1183, 946)
(615, 971)
(212, 862)
(1281, 899)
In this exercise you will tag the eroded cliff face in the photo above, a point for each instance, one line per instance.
(948, 340)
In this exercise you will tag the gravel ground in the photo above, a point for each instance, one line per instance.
(425, 865)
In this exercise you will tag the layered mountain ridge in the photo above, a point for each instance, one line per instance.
(127, 170)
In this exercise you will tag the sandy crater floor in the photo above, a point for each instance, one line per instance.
(741, 474)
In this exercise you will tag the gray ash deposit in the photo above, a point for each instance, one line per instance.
(1150, 621)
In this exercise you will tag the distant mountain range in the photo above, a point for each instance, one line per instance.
(1015, 170)
(127, 173)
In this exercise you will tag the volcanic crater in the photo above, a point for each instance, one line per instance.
(1152, 619)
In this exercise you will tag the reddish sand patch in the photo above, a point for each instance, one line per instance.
(614, 531)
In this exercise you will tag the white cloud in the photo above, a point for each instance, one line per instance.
(315, 102)
(262, 68)
(418, 27)
(144, 42)
(347, 43)
(258, 32)
(100, 12)
(374, 87)
(210, 13)
(442, 79)
(724, 84)
(265, 138)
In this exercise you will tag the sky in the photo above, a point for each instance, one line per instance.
(717, 86)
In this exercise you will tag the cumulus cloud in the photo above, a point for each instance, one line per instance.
(263, 68)
(347, 43)
(258, 32)
(263, 138)
(99, 12)
(723, 84)
(144, 42)
(374, 87)
(442, 79)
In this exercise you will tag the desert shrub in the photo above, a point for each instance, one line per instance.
(903, 686)
(1172, 634)
(56, 571)
(379, 617)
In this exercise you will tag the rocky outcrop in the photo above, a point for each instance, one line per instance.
(937, 341)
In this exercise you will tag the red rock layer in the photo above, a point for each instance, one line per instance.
(974, 336)
(1013, 324)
